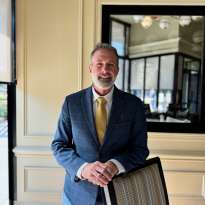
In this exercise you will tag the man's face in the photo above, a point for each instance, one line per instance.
(104, 68)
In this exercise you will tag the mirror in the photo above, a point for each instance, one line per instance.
(161, 61)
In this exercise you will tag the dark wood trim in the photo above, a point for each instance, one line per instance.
(108, 10)
(129, 76)
(11, 88)
(153, 9)
(202, 86)
(119, 21)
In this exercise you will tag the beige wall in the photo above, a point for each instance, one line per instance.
(54, 39)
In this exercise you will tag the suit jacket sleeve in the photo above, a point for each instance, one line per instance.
(136, 153)
(62, 146)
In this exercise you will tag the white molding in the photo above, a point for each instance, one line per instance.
(162, 47)
(98, 22)
(178, 155)
(147, 49)
(187, 178)
(32, 151)
(203, 187)
(80, 45)
(35, 176)
(184, 142)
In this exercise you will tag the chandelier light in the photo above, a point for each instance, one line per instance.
(164, 23)
(146, 22)
(184, 20)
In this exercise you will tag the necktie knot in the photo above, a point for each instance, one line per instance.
(101, 100)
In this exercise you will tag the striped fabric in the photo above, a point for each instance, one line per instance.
(141, 187)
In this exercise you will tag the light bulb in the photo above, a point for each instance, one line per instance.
(184, 20)
(164, 24)
(147, 22)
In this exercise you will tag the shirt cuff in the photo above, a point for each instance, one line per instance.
(79, 172)
(120, 167)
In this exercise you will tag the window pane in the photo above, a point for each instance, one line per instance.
(185, 90)
(166, 84)
(151, 73)
(5, 41)
(137, 77)
(193, 92)
(126, 73)
(151, 82)
(167, 69)
(127, 40)
(119, 79)
(118, 38)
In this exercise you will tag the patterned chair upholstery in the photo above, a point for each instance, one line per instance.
(143, 186)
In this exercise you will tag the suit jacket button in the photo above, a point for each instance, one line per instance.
(76, 179)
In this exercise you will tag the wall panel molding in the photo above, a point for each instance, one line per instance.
(190, 142)
(30, 98)
(38, 179)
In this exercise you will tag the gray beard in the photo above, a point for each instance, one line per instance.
(103, 83)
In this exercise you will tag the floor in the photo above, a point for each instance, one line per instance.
(3, 164)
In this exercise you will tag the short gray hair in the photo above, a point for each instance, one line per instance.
(104, 46)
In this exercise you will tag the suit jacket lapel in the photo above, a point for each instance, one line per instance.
(87, 107)
(115, 113)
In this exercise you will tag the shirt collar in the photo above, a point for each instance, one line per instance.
(108, 97)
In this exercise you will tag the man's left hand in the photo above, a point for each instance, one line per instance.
(111, 168)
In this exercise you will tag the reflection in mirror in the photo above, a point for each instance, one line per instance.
(160, 62)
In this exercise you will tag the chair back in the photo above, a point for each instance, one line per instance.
(142, 186)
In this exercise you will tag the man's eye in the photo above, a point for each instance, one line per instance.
(99, 64)
(111, 65)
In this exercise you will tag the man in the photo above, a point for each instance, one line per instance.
(101, 132)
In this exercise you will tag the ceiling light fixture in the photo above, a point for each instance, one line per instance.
(146, 22)
(164, 23)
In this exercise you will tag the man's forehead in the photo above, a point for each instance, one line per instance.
(104, 52)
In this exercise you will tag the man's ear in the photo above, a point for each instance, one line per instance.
(90, 67)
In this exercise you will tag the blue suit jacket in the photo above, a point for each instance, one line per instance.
(76, 142)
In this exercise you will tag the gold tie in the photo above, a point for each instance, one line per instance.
(101, 118)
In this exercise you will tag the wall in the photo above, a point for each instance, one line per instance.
(54, 39)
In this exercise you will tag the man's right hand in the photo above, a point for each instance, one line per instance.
(97, 173)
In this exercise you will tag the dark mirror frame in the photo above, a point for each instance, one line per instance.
(108, 10)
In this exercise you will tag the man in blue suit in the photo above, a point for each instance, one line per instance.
(95, 142)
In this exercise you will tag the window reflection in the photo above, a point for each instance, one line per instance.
(160, 62)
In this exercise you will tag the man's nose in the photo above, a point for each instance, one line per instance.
(105, 67)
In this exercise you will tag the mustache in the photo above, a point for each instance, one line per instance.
(107, 76)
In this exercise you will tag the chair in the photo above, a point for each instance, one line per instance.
(143, 186)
